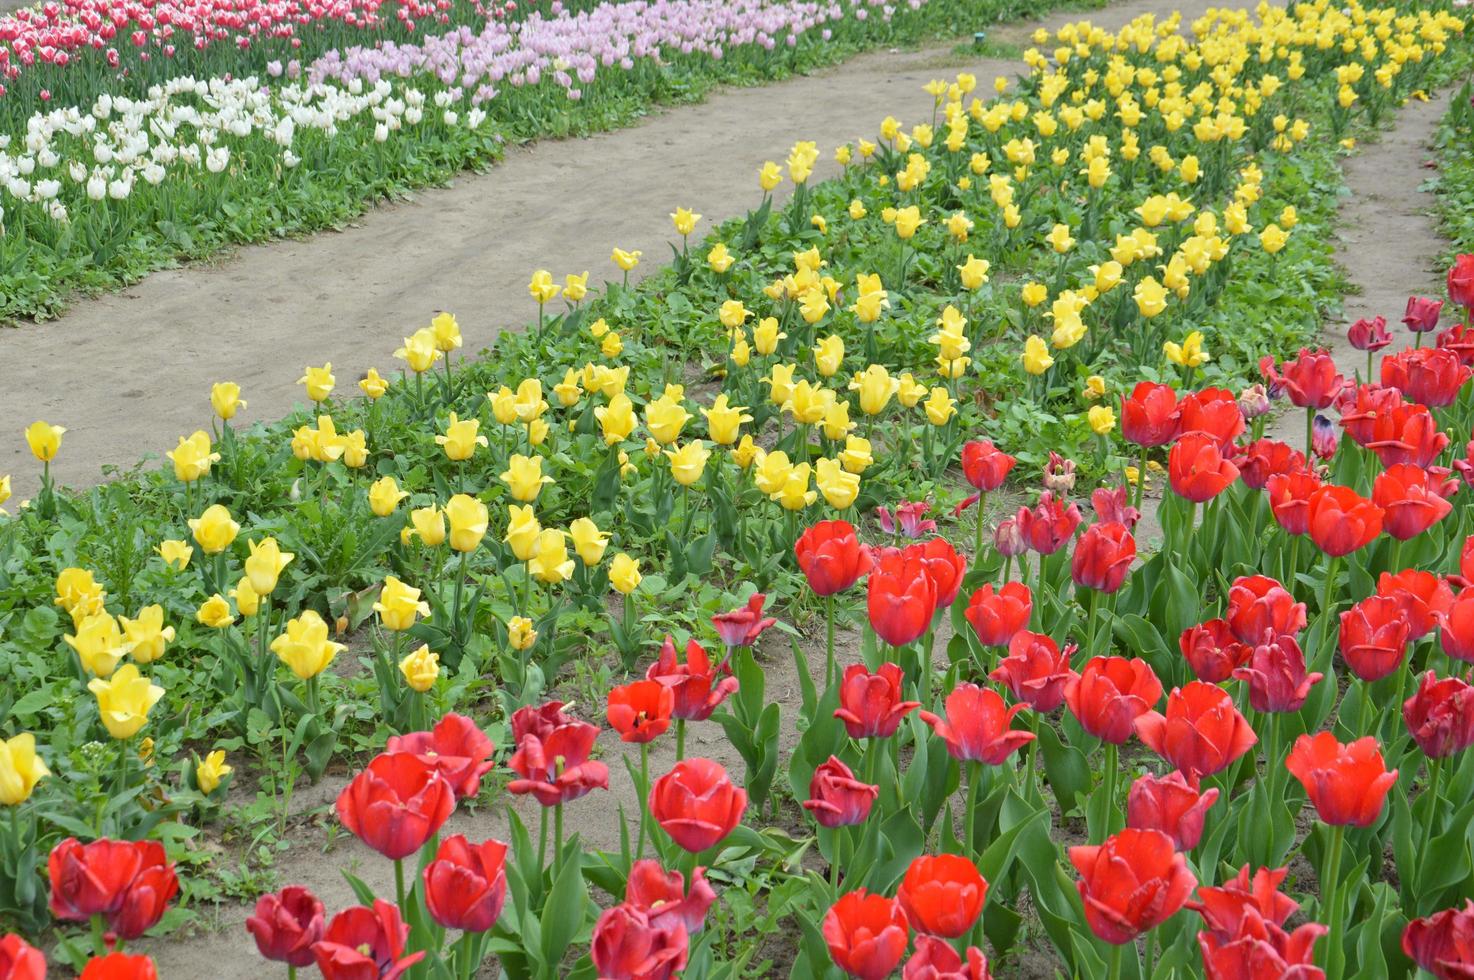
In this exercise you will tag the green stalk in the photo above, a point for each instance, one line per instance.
(1333, 894)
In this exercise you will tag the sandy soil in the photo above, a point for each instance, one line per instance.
(130, 372)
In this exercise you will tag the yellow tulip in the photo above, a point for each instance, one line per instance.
(225, 399)
(305, 647)
(4, 489)
(355, 449)
(175, 553)
(685, 221)
(429, 525)
(617, 419)
(794, 493)
(688, 462)
(522, 531)
(973, 272)
(503, 405)
(319, 381)
(612, 346)
(1150, 296)
(44, 440)
(124, 700)
(770, 176)
(446, 332)
(20, 769)
(839, 486)
(246, 598)
(908, 220)
(624, 573)
(766, 335)
(1059, 238)
(588, 541)
(420, 668)
(265, 564)
(77, 590)
(909, 391)
(99, 644)
(575, 286)
(744, 452)
(568, 391)
(940, 406)
(373, 385)
(857, 209)
(384, 496)
(1036, 356)
(723, 421)
(468, 519)
(1102, 420)
(520, 634)
(808, 403)
(876, 387)
(214, 531)
(215, 612)
(625, 260)
(542, 287)
(524, 477)
(1189, 353)
(461, 438)
(147, 635)
(211, 771)
(399, 605)
(856, 457)
(665, 418)
(550, 563)
(1273, 238)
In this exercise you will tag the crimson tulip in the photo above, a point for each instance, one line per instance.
(1049, 524)
(837, 798)
(129, 883)
(1459, 338)
(942, 895)
(121, 966)
(1262, 949)
(555, 767)
(1363, 406)
(1150, 415)
(902, 597)
(363, 942)
(1342, 520)
(1347, 784)
(285, 925)
(1103, 555)
(1407, 434)
(944, 566)
(1430, 376)
(1112, 506)
(742, 626)
(629, 945)
(1440, 715)
(1289, 499)
(1373, 637)
(1202, 733)
(1460, 281)
(1421, 314)
(396, 804)
(1212, 650)
(1425, 598)
(910, 519)
(1259, 606)
(19, 960)
(1443, 943)
(1275, 673)
(699, 689)
(1370, 334)
(640, 711)
(1214, 412)
(1197, 469)
(935, 959)
(1036, 670)
(540, 720)
(1172, 804)
(996, 615)
(1225, 907)
(1457, 632)
(831, 557)
(1410, 501)
(456, 746)
(1109, 693)
(866, 934)
(1264, 458)
(1310, 380)
(976, 726)
(984, 465)
(697, 804)
(466, 884)
(664, 897)
(871, 705)
(1131, 883)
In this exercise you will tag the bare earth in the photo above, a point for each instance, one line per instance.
(128, 373)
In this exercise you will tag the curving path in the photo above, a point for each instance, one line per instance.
(130, 372)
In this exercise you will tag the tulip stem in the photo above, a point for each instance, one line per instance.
(1041, 600)
(399, 882)
(1140, 479)
(122, 766)
(1116, 961)
(542, 840)
(1332, 892)
(977, 547)
(828, 641)
(1309, 434)
(1330, 590)
(557, 840)
(455, 607)
(1112, 761)
(680, 739)
(644, 793)
(1430, 815)
(291, 972)
(969, 817)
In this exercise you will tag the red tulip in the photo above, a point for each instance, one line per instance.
(1407, 434)
(1422, 314)
(466, 884)
(1259, 606)
(1202, 732)
(866, 934)
(1460, 281)
(997, 615)
(1112, 506)
(1131, 883)
(976, 727)
(698, 690)
(1264, 458)
(1347, 784)
(1171, 804)
(664, 897)
(1443, 944)
(984, 465)
(640, 711)
(837, 798)
(1440, 715)
(1410, 501)
(362, 943)
(942, 895)
(1362, 407)
(910, 519)
(1049, 525)
(697, 804)
(1373, 637)
(1466, 562)
(629, 945)
(870, 705)
(1310, 380)
(540, 720)
(1276, 676)
(555, 768)
(1109, 693)
(1036, 670)
(1149, 417)
(944, 566)
(742, 626)
(1212, 651)
(1289, 499)
(831, 557)
(936, 960)
(1241, 897)
(1103, 555)
(1197, 469)
(1425, 598)
(1214, 412)
(19, 960)
(1457, 633)
(456, 746)
(130, 883)
(286, 925)
(901, 599)
(1262, 950)
(396, 804)
(1430, 376)
(1459, 338)
(121, 966)
(1369, 334)
(1342, 520)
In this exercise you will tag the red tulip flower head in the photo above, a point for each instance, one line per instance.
(1421, 314)
(742, 626)
(699, 689)
(1197, 469)
(466, 884)
(121, 966)
(984, 465)
(1310, 380)
(1109, 693)
(396, 804)
(1276, 675)
(871, 705)
(456, 746)
(996, 615)
(901, 599)
(1440, 716)
(129, 883)
(1347, 784)
(640, 711)
(1443, 944)
(664, 897)
(837, 798)
(1049, 525)
(628, 944)
(1431, 376)
(1133, 882)
(1369, 334)
(1112, 506)
(1149, 417)
(1212, 650)
(944, 566)
(1289, 499)
(697, 804)
(19, 960)
(1214, 412)
(1460, 281)
(976, 727)
(1264, 458)
(285, 925)
(555, 767)
(1103, 555)
(1202, 733)
(1036, 670)
(831, 557)
(866, 934)
(364, 942)
(935, 959)
(1457, 633)
(1342, 520)
(1172, 804)
(1258, 606)
(1411, 502)
(1406, 434)
(1373, 637)
(1426, 599)
(942, 895)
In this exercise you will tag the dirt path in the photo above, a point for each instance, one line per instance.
(130, 372)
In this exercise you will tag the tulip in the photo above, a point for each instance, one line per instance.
(837, 798)
(1266, 458)
(120, 966)
(265, 565)
(1374, 637)
(984, 465)
(665, 899)
(19, 960)
(99, 644)
(124, 700)
(944, 566)
(1131, 883)
(1258, 606)
(420, 668)
(318, 381)
(286, 925)
(429, 525)
(624, 573)
(1049, 525)
(1440, 715)
(996, 616)
(147, 635)
(214, 531)
(399, 605)
(373, 385)
(1197, 470)
(1036, 670)
(976, 726)
(1369, 335)
(192, 458)
(1310, 380)
(1410, 500)
(363, 942)
(1430, 376)
(1202, 732)
(1289, 499)
(1347, 784)
(305, 646)
(936, 960)
(175, 553)
(1172, 804)
(1275, 672)
(942, 895)
(1212, 651)
(466, 884)
(211, 772)
(1406, 434)
(698, 691)
(396, 803)
(1214, 412)
(1443, 944)
(866, 934)
(640, 711)
(1421, 315)
(741, 627)
(1261, 948)
(696, 804)
(902, 598)
(871, 705)
(1108, 695)
(456, 747)
(552, 760)
(129, 883)
(44, 440)
(461, 438)
(831, 557)
(628, 944)
(1150, 415)
(215, 611)
(1425, 598)
(1103, 555)
(20, 769)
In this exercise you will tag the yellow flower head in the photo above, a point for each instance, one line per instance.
(225, 399)
(522, 531)
(839, 486)
(550, 563)
(588, 541)
(373, 384)
(575, 286)
(124, 700)
(305, 647)
(319, 381)
(175, 553)
(20, 769)
(420, 668)
(1036, 355)
(215, 612)
(461, 438)
(688, 462)
(446, 332)
(624, 573)
(685, 221)
(214, 531)
(147, 635)
(520, 634)
(723, 421)
(265, 565)
(541, 287)
(625, 260)
(211, 772)
(399, 605)
(99, 644)
(468, 519)
(1102, 420)
(384, 496)
(44, 440)
(428, 524)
